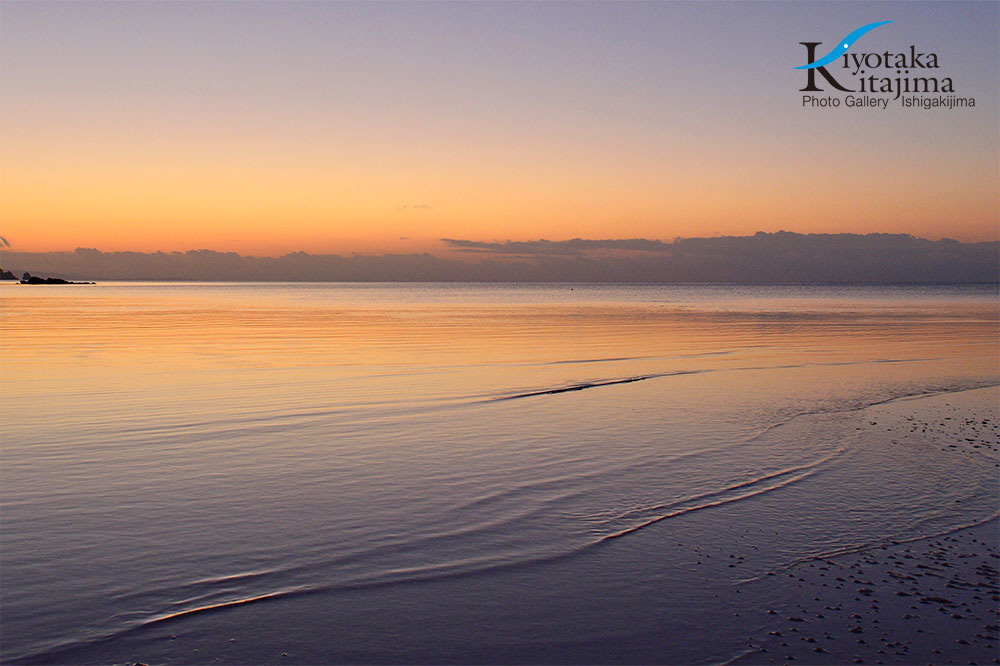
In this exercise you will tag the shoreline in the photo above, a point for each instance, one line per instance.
(932, 599)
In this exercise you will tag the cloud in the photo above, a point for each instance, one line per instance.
(575, 246)
(764, 258)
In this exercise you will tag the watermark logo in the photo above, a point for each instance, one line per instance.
(873, 80)
(841, 49)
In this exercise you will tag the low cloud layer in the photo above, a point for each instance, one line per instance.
(543, 247)
(759, 259)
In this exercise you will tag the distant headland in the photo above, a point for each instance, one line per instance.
(28, 278)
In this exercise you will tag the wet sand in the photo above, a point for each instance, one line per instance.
(929, 601)
(933, 600)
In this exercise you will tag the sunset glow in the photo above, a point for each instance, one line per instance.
(383, 128)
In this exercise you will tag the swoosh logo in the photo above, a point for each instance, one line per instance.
(845, 43)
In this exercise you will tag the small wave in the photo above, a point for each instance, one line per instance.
(201, 588)
(589, 385)
(535, 486)
(618, 359)
(757, 486)
(57, 651)
(581, 386)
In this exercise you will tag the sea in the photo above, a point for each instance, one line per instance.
(465, 473)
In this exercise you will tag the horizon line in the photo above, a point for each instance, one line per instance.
(496, 247)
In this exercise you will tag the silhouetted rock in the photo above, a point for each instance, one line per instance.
(7, 275)
(28, 278)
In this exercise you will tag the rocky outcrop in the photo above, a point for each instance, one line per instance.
(28, 278)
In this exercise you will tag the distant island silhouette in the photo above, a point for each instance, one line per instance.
(764, 258)
(28, 278)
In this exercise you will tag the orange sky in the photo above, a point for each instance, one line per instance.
(164, 140)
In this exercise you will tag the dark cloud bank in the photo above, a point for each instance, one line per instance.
(762, 258)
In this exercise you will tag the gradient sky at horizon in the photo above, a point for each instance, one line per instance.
(266, 127)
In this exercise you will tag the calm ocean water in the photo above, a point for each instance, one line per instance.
(205, 473)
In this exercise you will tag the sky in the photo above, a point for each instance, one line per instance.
(270, 127)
